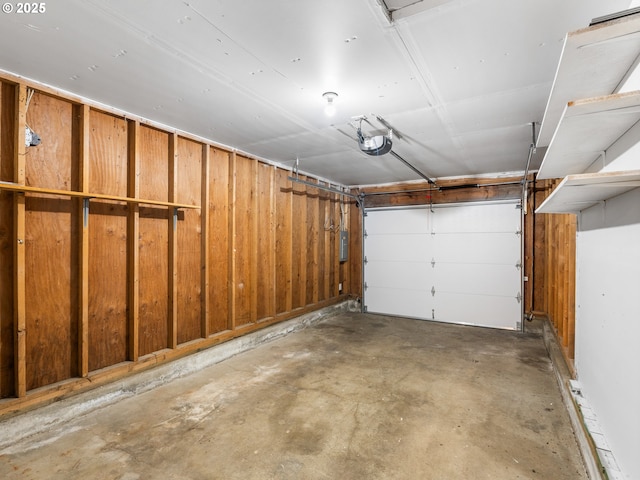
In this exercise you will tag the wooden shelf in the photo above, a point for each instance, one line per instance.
(14, 187)
(595, 61)
(588, 129)
(577, 192)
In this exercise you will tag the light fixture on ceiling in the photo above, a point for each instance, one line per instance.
(330, 103)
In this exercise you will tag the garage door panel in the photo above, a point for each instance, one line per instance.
(466, 253)
(397, 247)
(404, 221)
(476, 279)
(402, 302)
(470, 247)
(501, 217)
(409, 275)
(486, 311)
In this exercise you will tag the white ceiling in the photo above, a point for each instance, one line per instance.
(460, 81)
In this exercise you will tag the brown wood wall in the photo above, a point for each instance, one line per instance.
(556, 279)
(121, 273)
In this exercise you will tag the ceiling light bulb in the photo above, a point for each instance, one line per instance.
(330, 103)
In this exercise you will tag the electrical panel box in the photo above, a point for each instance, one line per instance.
(344, 245)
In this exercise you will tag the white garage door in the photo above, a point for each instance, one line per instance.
(458, 263)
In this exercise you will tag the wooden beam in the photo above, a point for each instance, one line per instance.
(232, 240)
(172, 331)
(19, 216)
(15, 187)
(133, 236)
(83, 250)
(255, 238)
(204, 241)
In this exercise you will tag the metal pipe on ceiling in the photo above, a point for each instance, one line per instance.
(323, 187)
(422, 175)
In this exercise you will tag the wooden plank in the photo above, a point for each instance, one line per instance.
(8, 160)
(189, 240)
(219, 246)
(328, 246)
(232, 240)
(133, 236)
(313, 228)
(154, 242)
(19, 231)
(355, 250)
(254, 231)
(298, 245)
(83, 115)
(243, 240)
(51, 237)
(172, 233)
(90, 195)
(205, 183)
(283, 243)
(587, 130)
(581, 191)
(109, 241)
(264, 237)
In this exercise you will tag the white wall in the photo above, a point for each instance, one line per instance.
(608, 322)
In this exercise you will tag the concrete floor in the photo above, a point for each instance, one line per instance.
(355, 396)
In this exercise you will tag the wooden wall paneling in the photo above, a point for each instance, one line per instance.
(8, 160)
(189, 272)
(243, 239)
(345, 268)
(232, 247)
(172, 233)
(313, 233)
(298, 245)
(19, 230)
(153, 244)
(254, 222)
(51, 245)
(83, 116)
(571, 285)
(108, 330)
(133, 241)
(265, 236)
(328, 246)
(219, 246)
(335, 240)
(284, 299)
(322, 243)
(205, 196)
(355, 250)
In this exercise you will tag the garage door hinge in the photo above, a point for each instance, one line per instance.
(365, 285)
(433, 291)
(519, 297)
(365, 234)
(518, 232)
(519, 265)
(433, 314)
(433, 263)
(365, 260)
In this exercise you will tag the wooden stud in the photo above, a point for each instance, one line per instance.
(19, 216)
(255, 239)
(172, 303)
(133, 236)
(232, 240)
(83, 250)
(204, 241)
